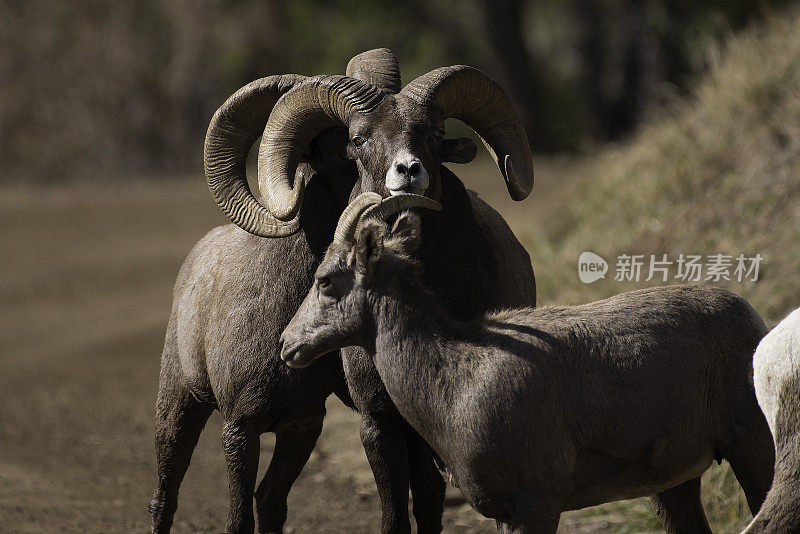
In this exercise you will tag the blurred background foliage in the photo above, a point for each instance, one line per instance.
(659, 127)
(113, 90)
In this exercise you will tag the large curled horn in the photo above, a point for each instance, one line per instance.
(467, 94)
(241, 120)
(378, 67)
(232, 131)
(319, 103)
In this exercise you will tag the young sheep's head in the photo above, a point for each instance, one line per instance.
(396, 136)
(363, 261)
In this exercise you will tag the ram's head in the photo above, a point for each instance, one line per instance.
(395, 136)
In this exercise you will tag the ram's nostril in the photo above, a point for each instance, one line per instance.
(400, 168)
(413, 168)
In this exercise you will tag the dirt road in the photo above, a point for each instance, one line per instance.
(84, 299)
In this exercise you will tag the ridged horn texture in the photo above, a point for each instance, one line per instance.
(397, 203)
(319, 103)
(467, 94)
(241, 120)
(234, 128)
(349, 218)
(378, 67)
(372, 206)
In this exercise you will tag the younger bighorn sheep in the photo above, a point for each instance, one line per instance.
(776, 373)
(537, 411)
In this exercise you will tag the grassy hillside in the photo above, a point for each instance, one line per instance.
(715, 173)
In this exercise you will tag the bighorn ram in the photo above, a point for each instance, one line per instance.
(234, 294)
(536, 411)
(396, 138)
(236, 291)
(471, 257)
(776, 374)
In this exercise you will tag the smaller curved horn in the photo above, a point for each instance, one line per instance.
(348, 221)
(378, 67)
(397, 203)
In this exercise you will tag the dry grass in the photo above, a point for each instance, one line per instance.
(719, 173)
(87, 275)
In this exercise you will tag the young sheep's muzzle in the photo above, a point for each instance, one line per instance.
(295, 355)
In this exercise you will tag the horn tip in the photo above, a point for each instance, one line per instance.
(284, 210)
(518, 189)
(434, 205)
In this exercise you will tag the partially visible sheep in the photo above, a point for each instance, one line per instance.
(538, 411)
(776, 374)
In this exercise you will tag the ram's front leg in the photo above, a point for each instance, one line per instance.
(384, 439)
(241, 446)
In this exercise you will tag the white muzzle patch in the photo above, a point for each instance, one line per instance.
(407, 175)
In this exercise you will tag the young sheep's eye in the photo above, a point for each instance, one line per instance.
(439, 134)
(358, 142)
(324, 282)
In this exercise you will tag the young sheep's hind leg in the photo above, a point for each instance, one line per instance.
(427, 485)
(179, 420)
(241, 445)
(752, 458)
(680, 508)
(293, 446)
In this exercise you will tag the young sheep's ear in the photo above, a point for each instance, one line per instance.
(369, 244)
(406, 231)
(461, 150)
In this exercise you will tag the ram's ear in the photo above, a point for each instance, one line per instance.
(369, 243)
(406, 232)
(461, 150)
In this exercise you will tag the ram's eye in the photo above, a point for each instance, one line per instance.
(439, 134)
(358, 142)
(324, 282)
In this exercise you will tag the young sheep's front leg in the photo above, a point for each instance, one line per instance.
(383, 438)
(241, 447)
(533, 515)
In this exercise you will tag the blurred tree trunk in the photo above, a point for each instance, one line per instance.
(517, 70)
(623, 63)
